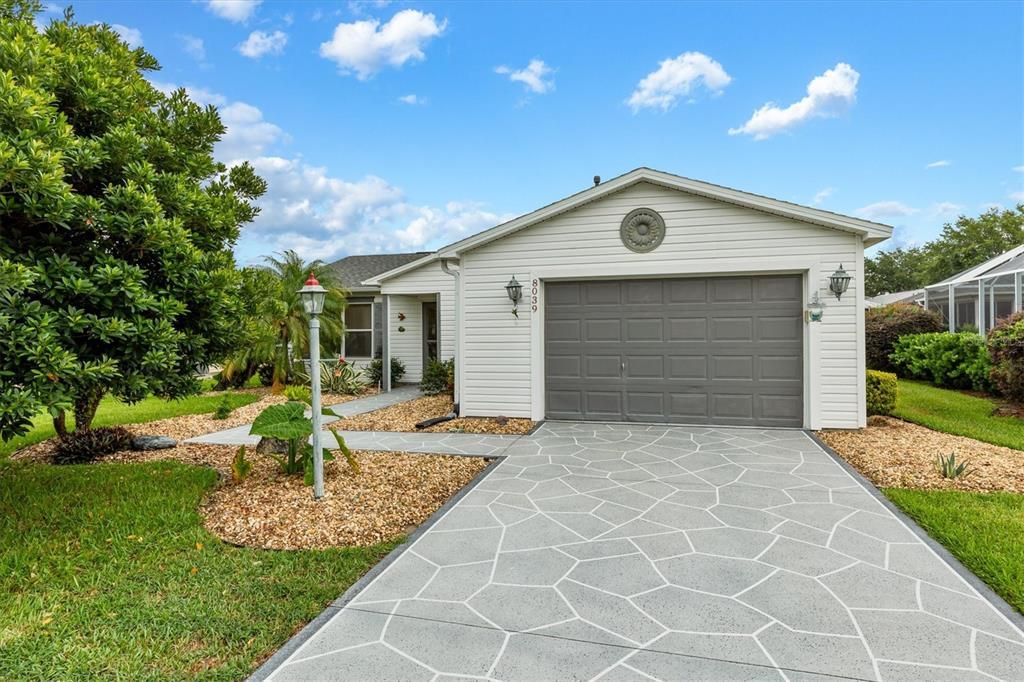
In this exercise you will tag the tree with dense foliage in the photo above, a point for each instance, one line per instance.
(961, 245)
(116, 225)
(277, 328)
(1006, 351)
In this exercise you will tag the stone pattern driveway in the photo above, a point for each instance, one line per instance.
(620, 552)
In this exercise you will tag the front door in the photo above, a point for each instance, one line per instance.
(429, 332)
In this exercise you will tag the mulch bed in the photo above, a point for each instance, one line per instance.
(192, 425)
(897, 454)
(405, 416)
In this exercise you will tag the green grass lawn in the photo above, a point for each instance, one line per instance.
(957, 413)
(983, 531)
(106, 572)
(112, 411)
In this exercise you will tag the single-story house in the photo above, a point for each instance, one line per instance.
(915, 296)
(646, 298)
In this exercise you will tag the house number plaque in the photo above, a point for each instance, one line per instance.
(533, 294)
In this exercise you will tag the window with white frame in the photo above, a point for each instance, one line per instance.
(358, 330)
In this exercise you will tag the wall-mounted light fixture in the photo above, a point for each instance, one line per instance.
(515, 294)
(815, 309)
(838, 282)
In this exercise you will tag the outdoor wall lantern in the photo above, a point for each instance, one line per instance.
(838, 282)
(515, 294)
(312, 295)
(815, 309)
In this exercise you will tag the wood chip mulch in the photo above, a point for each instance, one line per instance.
(191, 425)
(405, 416)
(897, 454)
(392, 494)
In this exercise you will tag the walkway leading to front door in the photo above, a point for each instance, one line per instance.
(646, 552)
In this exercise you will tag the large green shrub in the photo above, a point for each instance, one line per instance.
(881, 392)
(884, 325)
(438, 377)
(951, 360)
(116, 225)
(1006, 352)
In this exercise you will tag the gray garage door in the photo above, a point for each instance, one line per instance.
(718, 350)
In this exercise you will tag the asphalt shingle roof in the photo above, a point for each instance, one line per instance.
(353, 270)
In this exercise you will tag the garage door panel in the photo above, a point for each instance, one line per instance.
(732, 406)
(602, 366)
(687, 367)
(723, 350)
(789, 328)
(645, 329)
(564, 366)
(603, 402)
(650, 405)
(688, 329)
(785, 407)
(732, 329)
(688, 407)
(602, 330)
(601, 293)
(732, 290)
(733, 367)
(788, 289)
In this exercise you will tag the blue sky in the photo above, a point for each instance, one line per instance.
(387, 126)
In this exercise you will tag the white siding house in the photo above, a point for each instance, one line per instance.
(709, 326)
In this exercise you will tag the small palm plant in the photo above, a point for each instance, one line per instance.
(949, 467)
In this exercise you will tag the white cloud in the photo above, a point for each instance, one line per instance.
(678, 77)
(886, 209)
(322, 216)
(535, 76)
(132, 36)
(193, 47)
(1018, 169)
(365, 47)
(248, 134)
(412, 99)
(822, 195)
(828, 95)
(942, 163)
(260, 43)
(946, 208)
(237, 11)
(1017, 196)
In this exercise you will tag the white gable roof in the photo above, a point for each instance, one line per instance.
(871, 232)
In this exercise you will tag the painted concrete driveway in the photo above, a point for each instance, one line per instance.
(620, 552)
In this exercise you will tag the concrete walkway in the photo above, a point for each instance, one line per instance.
(635, 552)
(239, 435)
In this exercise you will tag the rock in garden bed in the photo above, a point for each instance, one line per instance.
(405, 416)
(898, 454)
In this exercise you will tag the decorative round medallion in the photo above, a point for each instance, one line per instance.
(642, 230)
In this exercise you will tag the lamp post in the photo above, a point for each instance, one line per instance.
(312, 295)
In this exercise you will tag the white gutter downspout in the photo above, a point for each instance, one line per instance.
(457, 274)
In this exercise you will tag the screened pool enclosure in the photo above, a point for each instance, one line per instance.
(976, 298)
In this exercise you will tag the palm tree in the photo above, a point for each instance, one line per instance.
(277, 328)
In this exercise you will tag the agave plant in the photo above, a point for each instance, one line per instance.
(950, 468)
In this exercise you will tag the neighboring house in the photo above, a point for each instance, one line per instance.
(648, 298)
(981, 295)
(910, 296)
(364, 337)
